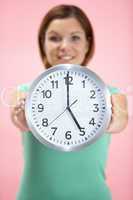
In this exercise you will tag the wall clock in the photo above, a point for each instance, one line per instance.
(68, 107)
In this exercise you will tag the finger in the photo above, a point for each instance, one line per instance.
(20, 104)
(15, 118)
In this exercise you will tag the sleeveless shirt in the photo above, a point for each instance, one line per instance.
(54, 175)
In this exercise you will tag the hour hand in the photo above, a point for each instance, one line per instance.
(74, 118)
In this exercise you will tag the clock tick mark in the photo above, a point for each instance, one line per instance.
(57, 74)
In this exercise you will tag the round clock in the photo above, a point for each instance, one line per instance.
(68, 107)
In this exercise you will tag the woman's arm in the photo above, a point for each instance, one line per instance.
(119, 117)
(17, 110)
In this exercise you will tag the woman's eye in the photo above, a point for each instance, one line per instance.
(54, 38)
(75, 38)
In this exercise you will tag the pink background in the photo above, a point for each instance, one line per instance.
(20, 63)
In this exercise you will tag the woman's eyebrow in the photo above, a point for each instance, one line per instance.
(74, 32)
(77, 32)
(52, 32)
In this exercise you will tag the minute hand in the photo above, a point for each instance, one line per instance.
(67, 83)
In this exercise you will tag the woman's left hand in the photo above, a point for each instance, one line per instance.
(119, 118)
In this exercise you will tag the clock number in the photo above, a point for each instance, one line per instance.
(92, 122)
(54, 84)
(68, 80)
(40, 107)
(55, 129)
(96, 107)
(45, 122)
(92, 94)
(68, 136)
(83, 83)
(82, 131)
(47, 93)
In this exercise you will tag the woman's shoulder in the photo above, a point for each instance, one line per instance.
(113, 89)
(24, 87)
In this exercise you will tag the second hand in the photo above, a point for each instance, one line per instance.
(63, 112)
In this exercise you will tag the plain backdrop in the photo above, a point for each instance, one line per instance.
(20, 63)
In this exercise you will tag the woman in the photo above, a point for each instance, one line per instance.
(66, 36)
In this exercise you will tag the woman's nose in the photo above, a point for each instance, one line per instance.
(64, 44)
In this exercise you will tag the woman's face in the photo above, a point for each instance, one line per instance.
(65, 42)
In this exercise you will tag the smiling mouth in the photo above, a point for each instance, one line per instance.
(65, 58)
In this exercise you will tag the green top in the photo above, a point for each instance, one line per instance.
(53, 175)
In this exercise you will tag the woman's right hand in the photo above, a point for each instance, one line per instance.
(18, 111)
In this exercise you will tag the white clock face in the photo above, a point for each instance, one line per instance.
(68, 107)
